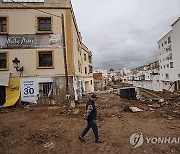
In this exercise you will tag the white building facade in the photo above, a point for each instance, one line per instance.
(163, 74)
(169, 58)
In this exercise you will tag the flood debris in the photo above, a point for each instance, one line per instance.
(72, 104)
(126, 108)
(161, 100)
(49, 145)
(76, 111)
(131, 109)
(151, 109)
(136, 109)
(177, 112)
(52, 128)
(170, 118)
(155, 105)
(103, 106)
(174, 97)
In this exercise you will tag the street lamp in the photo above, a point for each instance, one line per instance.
(16, 64)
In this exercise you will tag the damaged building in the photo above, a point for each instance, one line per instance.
(42, 56)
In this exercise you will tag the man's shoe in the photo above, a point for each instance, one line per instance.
(98, 141)
(81, 138)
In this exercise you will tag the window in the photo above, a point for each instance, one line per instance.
(167, 65)
(44, 24)
(170, 48)
(79, 66)
(3, 25)
(165, 42)
(85, 70)
(45, 89)
(85, 57)
(170, 56)
(45, 59)
(92, 81)
(178, 75)
(79, 46)
(167, 49)
(3, 61)
(90, 69)
(169, 39)
(171, 64)
(162, 44)
(90, 59)
(167, 76)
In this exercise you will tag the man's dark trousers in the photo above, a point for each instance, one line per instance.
(93, 125)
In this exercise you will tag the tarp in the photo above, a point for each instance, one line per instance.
(4, 78)
(12, 92)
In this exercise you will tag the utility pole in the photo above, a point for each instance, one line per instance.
(65, 57)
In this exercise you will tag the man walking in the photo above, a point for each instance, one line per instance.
(90, 116)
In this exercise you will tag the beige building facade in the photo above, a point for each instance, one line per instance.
(44, 37)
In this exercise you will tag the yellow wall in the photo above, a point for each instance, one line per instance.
(69, 44)
(24, 22)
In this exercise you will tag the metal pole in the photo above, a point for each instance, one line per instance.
(65, 57)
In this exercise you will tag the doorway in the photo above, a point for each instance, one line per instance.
(87, 87)
(2, 95)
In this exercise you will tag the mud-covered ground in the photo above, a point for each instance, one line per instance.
(55, 129)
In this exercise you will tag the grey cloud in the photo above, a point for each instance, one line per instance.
(124, 33)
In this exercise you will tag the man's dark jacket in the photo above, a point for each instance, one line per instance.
(93, 114)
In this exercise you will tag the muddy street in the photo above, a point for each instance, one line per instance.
(55, 129)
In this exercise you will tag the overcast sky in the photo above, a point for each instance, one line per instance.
(124, 33)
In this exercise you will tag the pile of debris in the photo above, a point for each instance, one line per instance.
(174, 97)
